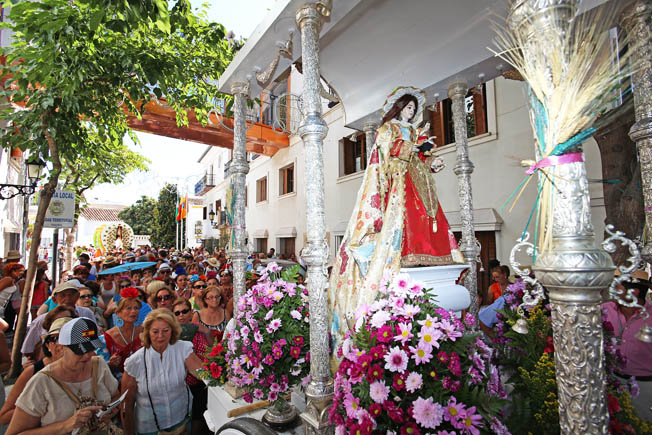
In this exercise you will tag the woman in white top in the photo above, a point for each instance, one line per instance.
(155, 378)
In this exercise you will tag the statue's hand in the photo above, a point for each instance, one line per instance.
(437, 165)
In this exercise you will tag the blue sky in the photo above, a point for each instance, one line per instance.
(172, 160)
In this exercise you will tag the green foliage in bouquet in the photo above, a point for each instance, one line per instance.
(214, 369)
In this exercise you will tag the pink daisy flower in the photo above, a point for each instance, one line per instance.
(409, 310)
(427, 413)
(269, 314)
(274, 325)
(422, 353)
(295, 314)
(430, 336)
(396, 360)
(453, 411)
(378, 391)
(450, 330)
(469, 421)
(429, 321)
(413, 382)
(351, 405)
(404, 332)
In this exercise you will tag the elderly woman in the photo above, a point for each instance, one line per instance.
(123, 339)
(198, 335)
(160, 295)
(52, 351)
(67, 394)
(155, 378)
(214, 317)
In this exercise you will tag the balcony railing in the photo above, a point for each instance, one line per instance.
(205, 184)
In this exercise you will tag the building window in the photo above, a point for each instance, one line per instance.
(205, 215)
(355, 154)
(286, 180)
(441, 119)
(218, 205)
(261, 189)
(286, 247)
(261, 245)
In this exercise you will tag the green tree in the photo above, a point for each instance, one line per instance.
(165, 224)
(140, 216)
(79, 66)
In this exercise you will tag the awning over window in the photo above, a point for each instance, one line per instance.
(284, 232)
(261, 234)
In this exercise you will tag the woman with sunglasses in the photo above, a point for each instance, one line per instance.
(87, 300)
(123, 339)
(52, 351)
(160, 295)
(197, 335)
(214, 317)
(198, 285)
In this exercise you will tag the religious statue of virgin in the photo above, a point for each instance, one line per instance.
(397, 221)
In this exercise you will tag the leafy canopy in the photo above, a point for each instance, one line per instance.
(78, 66)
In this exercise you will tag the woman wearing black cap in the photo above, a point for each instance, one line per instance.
(67, 394)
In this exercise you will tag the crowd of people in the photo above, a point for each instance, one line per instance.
(101, 332)
(145, 331)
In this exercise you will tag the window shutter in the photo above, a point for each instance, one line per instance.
(437, 125)
(479, 112)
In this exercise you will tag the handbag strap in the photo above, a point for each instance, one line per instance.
(64, 387)
(158, 428)
(95, 363)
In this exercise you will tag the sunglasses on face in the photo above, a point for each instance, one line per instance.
(185, 311)
(85, 296)
(51, 338)
(199, 286)
(163, 298)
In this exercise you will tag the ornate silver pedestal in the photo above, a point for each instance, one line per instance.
(238, 171)
(319, 392)
(573, 269)
(636, 20)
(463, 169)
(370, 136)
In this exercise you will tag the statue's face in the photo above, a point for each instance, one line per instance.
(408, 111)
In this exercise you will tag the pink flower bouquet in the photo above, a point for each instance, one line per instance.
(268, 352)
(412, 367)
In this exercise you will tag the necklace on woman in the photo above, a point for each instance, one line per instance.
(133, 331)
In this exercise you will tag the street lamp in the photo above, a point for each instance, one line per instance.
(211, 216)
(34, 168)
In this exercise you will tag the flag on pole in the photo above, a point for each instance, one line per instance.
(177, 211)
(184, 207)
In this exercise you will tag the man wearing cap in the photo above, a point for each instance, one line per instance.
(65, 293)
(626, 322)
(164, 271)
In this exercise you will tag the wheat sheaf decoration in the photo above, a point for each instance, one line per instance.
(572, 71)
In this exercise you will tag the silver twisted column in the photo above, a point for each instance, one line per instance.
(463, 169)
(370, 136)
(319, 392)
(574, 270)
(238, 171)
(636, 21)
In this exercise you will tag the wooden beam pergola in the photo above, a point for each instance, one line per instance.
(159, 119)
